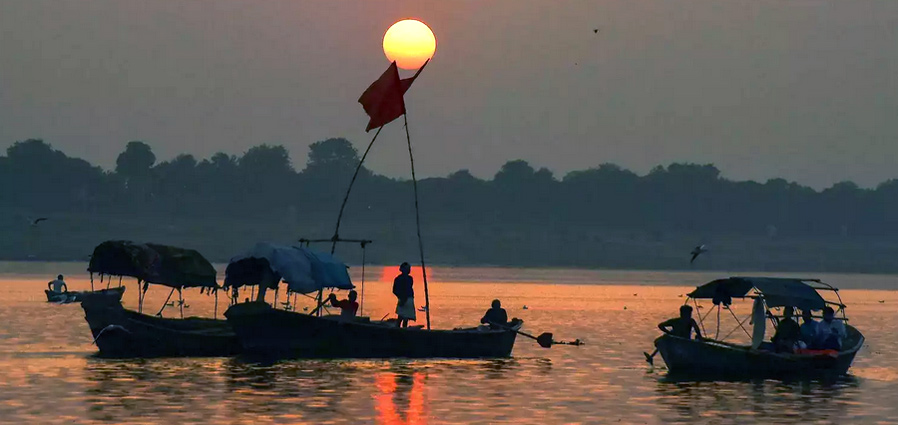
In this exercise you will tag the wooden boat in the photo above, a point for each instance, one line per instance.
(710, 357)
(266, 331)
(119, 332)
(78, 296)
(263, 330)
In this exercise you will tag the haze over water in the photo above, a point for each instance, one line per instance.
(48, 374)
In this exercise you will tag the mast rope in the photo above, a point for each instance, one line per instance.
(336, 236)
(411, 159)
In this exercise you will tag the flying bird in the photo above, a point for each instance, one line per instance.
(595, 31)
(38, 220)
(697, 251)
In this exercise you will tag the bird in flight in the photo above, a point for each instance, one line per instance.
(38, 220)
(697, 251)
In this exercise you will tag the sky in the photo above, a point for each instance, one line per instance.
(801, 89)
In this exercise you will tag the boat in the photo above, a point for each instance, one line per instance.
(715, 356)
(120, 332)
(266, 331)
(78, 296)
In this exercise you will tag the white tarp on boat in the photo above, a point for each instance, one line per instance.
(305, 271)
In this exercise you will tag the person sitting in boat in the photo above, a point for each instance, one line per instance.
(57, 285)
(681, 326)
(403, 289)
(808, 329)
(348, 307)
(787, 333)
(496, 314)
(830, 332)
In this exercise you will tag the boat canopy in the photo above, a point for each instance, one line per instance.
(776, 292)
(161, 264)
(304, 270)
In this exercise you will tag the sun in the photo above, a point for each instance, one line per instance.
(410, 43)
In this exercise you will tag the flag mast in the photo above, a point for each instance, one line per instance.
(411, 160)
(384, 102)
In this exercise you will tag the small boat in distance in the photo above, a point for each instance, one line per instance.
(713, 357)
(120, 332)
(78, 296)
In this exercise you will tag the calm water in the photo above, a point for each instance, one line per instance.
(48, 374)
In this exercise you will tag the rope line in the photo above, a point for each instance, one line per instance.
(411, 159)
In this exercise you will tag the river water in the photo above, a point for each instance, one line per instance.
(48, 373)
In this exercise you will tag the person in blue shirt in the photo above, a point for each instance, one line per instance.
(808, 329)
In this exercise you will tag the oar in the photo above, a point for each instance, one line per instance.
(650, 358)
(544, 339)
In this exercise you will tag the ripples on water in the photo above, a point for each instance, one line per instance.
(48, 374)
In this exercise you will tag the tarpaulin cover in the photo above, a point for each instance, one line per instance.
(161, 264)
(305, 271)
(777, 292)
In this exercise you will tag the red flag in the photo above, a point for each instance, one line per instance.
(382, 100)
(406, 83)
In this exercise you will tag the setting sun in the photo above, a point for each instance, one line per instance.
(410, 43)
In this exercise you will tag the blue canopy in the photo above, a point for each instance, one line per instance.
(776, 292)
(305, 271)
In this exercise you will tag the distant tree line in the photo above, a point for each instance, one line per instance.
(687, 197)
(520, 201)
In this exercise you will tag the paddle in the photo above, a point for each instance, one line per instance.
(650, 358)
(544, 339)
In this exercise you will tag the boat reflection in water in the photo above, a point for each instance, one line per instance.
(688, 399)
(399, 392)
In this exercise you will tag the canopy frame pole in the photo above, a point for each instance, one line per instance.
(717, 333)
(165, 303)
(91, 281)
(108, 282)
(142, 288)
(411, 159)
(181, 302)
(701, 320)
(215, 312)
(119, 281)
(740, 324)
(362, 297)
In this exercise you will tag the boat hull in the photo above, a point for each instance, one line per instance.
(264, 331)
(114, 294)
(119, 332)
(712, 358)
